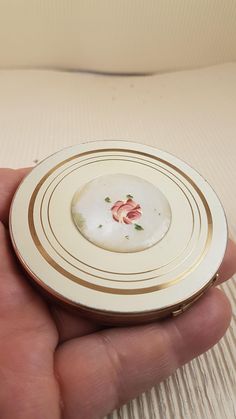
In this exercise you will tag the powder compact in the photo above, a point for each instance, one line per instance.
(120, 232)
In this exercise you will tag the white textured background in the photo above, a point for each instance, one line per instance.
(191, 114)
(130, 36)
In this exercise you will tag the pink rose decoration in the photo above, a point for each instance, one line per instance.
(126, 211)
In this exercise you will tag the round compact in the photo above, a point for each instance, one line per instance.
(119, 231)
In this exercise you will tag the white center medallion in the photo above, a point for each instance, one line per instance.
(121, 213)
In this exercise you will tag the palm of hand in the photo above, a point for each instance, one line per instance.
(55, 364)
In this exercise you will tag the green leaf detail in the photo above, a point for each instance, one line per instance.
(138, 227)
(100, 226)
(127, 237)
(129, 196)
(107, 199)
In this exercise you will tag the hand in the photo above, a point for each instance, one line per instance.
(55, 364)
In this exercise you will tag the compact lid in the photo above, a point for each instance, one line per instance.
(118, 227)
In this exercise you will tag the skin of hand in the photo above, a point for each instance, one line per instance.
(54, 364)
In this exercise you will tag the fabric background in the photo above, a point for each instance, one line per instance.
(191, 114)
(130, 36)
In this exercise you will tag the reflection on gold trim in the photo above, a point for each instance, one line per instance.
(100, 288)
(110, 272)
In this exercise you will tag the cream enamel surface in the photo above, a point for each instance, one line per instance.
(136, 264)
(200, 272)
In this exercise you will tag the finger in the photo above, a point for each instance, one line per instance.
(228, 266)
(99, 372)
(28, 338)
(16, 293)
(71, 325)
(9, 181)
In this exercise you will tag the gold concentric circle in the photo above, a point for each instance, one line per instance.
(171, 171)
(90, 266)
